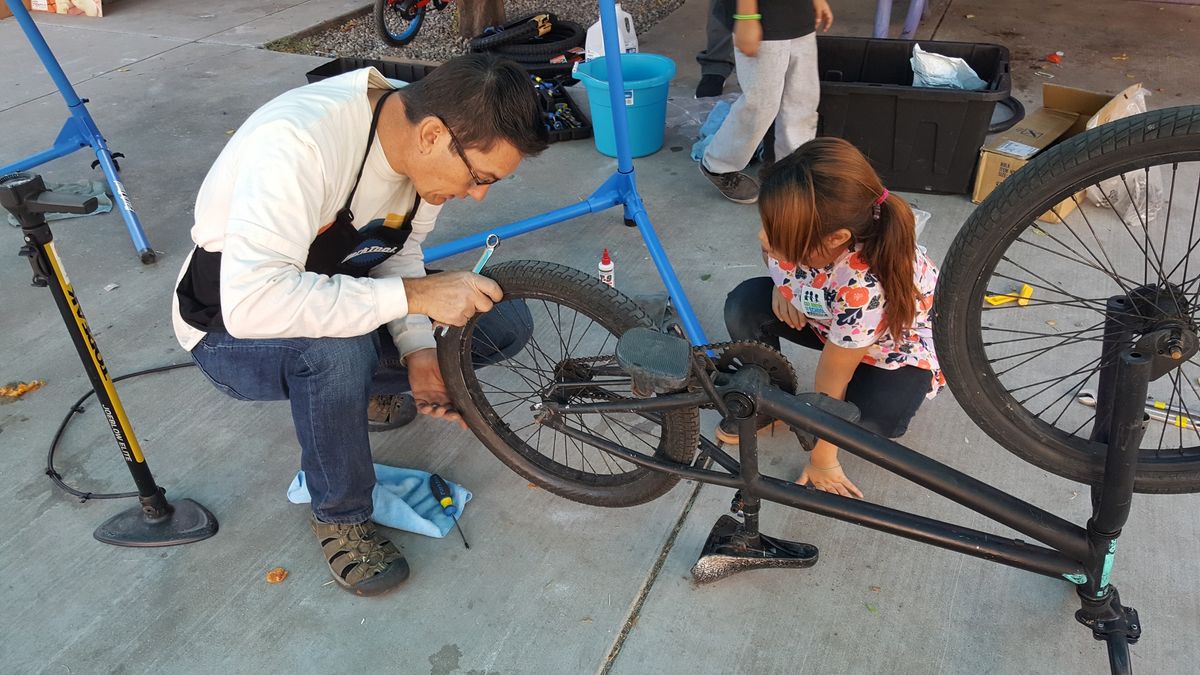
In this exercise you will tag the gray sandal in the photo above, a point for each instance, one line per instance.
(361, 560)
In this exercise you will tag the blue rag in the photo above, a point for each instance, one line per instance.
(402, 500)
(716, 117)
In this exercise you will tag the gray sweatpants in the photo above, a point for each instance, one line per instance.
(780, 85)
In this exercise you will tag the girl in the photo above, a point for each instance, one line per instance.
(847, 278)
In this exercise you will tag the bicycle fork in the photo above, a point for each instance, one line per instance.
(1126, 370)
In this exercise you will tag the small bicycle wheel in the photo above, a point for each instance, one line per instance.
(563, 36)
(397, 22)
(1127, 231)
(573, 322)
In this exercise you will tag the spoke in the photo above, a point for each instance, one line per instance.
(1054, 380)
(1145, 249)
(1039, 352)
(1098, 266)
(1072, 392)
(1049, 285)
(1086, 422)
(1035, 333)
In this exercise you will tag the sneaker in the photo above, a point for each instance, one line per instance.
(390, 411)
(735, 185)
(361, 560)
(710, 85)
(727, 431)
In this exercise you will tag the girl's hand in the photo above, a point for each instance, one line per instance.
(823, 14)
(829, 479)
(785, 311)
(747, 36)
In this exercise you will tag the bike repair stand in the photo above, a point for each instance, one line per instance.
(155, 522)
(620, 189)
(79, 131)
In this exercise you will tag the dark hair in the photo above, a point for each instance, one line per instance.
(827, 185)
(484, 99)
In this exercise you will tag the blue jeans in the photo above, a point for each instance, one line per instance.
(329, 382)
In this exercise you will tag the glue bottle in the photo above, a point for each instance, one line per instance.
(606, 268)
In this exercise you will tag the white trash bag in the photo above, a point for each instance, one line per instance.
(946, 72)
(1135, 196)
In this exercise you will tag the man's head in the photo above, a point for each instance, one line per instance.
(474, 119)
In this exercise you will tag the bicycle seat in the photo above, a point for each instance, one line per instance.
(658, 363)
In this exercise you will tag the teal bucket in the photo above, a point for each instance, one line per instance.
(647, 77)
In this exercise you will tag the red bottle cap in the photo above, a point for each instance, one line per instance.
(604, 259)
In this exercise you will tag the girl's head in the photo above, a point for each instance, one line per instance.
(825, 197)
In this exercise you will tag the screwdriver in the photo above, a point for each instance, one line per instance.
(441, 492)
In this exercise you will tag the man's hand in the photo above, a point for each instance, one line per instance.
(747, 36)
(428, 387)
(451, 297)
(785, 311)
(824, 15)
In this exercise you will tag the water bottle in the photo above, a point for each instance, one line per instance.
(626, 36)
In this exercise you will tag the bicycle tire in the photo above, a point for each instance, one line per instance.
(515, 31)
(381, 11)
(564, 36)
(1157, 138)
(547, 283)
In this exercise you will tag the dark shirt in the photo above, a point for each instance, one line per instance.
(781, 19)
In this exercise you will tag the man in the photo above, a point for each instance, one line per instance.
(308, 232)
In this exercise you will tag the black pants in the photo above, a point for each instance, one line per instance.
(888, 399)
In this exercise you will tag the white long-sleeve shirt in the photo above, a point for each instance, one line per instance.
(278, 183)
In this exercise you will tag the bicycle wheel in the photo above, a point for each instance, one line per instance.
(396, 22)
(1022, 370)
(575, 321)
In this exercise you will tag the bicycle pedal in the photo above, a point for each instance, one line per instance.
(657, 363)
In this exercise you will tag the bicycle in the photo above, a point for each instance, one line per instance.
(602, 405)
(399, 21)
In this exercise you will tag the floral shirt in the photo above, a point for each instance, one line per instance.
(844, 303)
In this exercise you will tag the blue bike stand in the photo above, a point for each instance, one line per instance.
(620, 189)
(79, 131)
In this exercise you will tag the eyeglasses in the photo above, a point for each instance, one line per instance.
(458, 148)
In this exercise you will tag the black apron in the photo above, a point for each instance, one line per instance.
(338, 249)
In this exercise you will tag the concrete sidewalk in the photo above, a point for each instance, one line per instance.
(549, 586)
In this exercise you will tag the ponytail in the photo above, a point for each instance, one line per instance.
(890, 253)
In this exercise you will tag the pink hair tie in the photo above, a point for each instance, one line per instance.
(877, 203)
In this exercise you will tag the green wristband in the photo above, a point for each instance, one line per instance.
(747, 17)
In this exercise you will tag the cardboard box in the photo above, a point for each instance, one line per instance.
(4, 11)
(73, 7)
(1065, 112)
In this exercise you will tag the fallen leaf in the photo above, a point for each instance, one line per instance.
(1121, 57)
(705, 277)
(531, 486)
(1052, 323)
(229, 132)
(276, 575)
(15, 390)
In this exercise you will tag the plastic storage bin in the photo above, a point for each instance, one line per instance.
(919, 139)
(647, 78)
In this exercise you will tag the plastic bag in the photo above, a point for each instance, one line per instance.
(626, 36)
(1136, 196)
(947, 72)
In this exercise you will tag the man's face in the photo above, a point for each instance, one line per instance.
(449, 171)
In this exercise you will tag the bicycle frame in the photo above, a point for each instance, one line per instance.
(1080, 555)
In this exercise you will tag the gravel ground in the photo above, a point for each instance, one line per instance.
(438, 38)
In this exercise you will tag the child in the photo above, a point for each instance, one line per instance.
(847, 278)
(776, 60)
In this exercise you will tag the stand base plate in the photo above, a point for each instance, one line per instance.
(188, 522)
